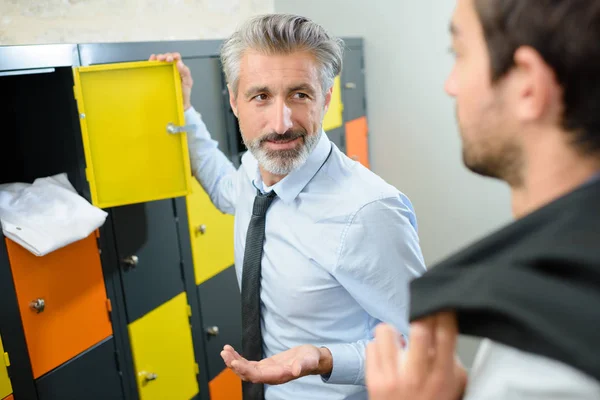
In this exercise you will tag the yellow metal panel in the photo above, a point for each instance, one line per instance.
(5, 386)
(163, 352)
(124, 112)
(211, 234)
(333, 118)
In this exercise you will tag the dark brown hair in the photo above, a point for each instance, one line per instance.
(566, 33)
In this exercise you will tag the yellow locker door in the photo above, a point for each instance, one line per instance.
(211, 234)
(333, 118)
(131, 117)
(5, 386)
(163, 352)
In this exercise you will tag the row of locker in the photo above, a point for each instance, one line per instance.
(141, 308)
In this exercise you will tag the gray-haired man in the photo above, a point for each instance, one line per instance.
(324, 248)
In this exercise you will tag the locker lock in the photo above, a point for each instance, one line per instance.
(173, 129)
(131, 261)
(38, 305)
(350, 85)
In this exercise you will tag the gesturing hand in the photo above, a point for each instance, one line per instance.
(281, 368)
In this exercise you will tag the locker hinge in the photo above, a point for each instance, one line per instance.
(6, 360)
(182, 270)
(189, 310)
(197, 368)
(118, 364)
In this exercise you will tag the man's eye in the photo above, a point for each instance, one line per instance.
(301, 96)
(261, 97)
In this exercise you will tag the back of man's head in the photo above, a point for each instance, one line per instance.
(566, 33)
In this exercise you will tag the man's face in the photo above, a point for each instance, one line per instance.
(280, 106)
(487, 126)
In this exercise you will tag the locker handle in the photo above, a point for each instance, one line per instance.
(148, 376)
(173, 129)
(38, 305)
(212, 331)
(201, 229)
(131, 261)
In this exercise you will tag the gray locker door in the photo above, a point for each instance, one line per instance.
(338, 137)
(220, 302)
(353, 84)
(92, 375)
(148, 250)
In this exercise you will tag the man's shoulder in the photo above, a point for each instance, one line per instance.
(349, 182)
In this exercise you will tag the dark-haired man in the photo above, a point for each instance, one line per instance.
(527, 85)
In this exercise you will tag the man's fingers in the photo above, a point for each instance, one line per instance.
(152, 57)
(371, 363)
(246, 370)
(232, 350)
(445, 342)
(421, 341)
(387, 345)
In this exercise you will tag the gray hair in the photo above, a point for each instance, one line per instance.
(282, 34)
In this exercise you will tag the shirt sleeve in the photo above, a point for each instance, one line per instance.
(380, 255)
(213, 170)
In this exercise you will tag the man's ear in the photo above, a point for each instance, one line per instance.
(328, 95)
(232, 100)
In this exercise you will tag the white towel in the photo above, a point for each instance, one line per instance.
(47, 215)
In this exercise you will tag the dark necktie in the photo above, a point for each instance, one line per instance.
(251, 330)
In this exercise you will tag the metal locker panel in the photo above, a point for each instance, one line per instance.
(357, 140)
(62, 301)
(148, 250)
(220, 302)
(207, 98)
(163, 352)
(211, 235)
(5, 385)
(126, 110)
(92, 375)
(226, 386)
(333, 117)
(338, 137)
(353, 84)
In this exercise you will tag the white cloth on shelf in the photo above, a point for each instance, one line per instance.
(47, 214)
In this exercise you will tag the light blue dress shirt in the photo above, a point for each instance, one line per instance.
(341, 247)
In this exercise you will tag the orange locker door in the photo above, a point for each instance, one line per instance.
(10, 397)
(62, 301)
(357, 142)
(226, 386)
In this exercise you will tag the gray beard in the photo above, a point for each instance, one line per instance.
(282, 162)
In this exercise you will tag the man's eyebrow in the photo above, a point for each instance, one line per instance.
(302, 87)
(256, 89)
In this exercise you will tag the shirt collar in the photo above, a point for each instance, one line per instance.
(290, 187)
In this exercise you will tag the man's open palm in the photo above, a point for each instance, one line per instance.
(281, 368)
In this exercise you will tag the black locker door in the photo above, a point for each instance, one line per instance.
(220, 303)
(148, 250)
(209, 99)
(92, 375)
(353, 84)
(338, 137)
